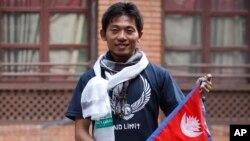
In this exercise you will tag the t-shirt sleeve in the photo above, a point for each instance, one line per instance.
(171, 93)
(74, 108)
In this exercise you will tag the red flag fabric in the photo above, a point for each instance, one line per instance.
(186, 123)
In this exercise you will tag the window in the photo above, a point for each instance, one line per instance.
(203, 36)
(44, 40)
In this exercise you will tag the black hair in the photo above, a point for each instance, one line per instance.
(119, 9)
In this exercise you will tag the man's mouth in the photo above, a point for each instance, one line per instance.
(121, 46)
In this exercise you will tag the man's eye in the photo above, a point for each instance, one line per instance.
(130, 31)
(115, 30)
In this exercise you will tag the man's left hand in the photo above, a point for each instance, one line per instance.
(206, 83)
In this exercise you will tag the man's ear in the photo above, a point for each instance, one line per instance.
(103, 35)
(140, 34)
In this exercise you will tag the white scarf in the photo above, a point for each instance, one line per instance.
(95, 99)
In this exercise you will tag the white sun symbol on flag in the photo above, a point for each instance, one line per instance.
(190, 126)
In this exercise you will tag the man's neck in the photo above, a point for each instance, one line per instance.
(120, 59)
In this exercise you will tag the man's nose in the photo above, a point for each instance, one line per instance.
(122, 35)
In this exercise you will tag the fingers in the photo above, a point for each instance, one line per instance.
(209, 77)
(206, 83)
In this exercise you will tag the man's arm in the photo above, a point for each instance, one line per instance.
(82, 127)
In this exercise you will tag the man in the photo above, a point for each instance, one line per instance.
(121, 95)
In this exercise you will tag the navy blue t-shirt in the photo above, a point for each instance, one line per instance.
(152, 89)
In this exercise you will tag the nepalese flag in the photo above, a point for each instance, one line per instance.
(186, 123)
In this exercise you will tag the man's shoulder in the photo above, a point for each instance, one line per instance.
(156, 73)
(87, 75)
(155, 68)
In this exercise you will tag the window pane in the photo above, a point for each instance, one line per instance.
(22, 56)
(183, 4)
(182, 30)
(20, 28)
(231, 59)
(70, 28)
(70, 56)
(68, 3)
(228, 58)
(226, 5)
(21, 3)
(182, 58)
(229, 31)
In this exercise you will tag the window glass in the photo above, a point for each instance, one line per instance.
(68, 3)
(228, 58)
(183, 4)
(232, 58)
(182, 58)
(20, 3)
(47, 37)
(201, 40)
(21, 57)
(20, 28)
(69, 28)
(182, 30)
(68, 56)
(229, 5)
(229, 31)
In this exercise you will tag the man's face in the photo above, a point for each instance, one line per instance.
(122, 37)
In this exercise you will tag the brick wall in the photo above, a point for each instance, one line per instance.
(151, 39)
(36, 133)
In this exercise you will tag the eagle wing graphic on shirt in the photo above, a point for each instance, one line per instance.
(143, 100)
(138, 104)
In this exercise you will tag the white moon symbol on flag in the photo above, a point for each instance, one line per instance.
(190, 126)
